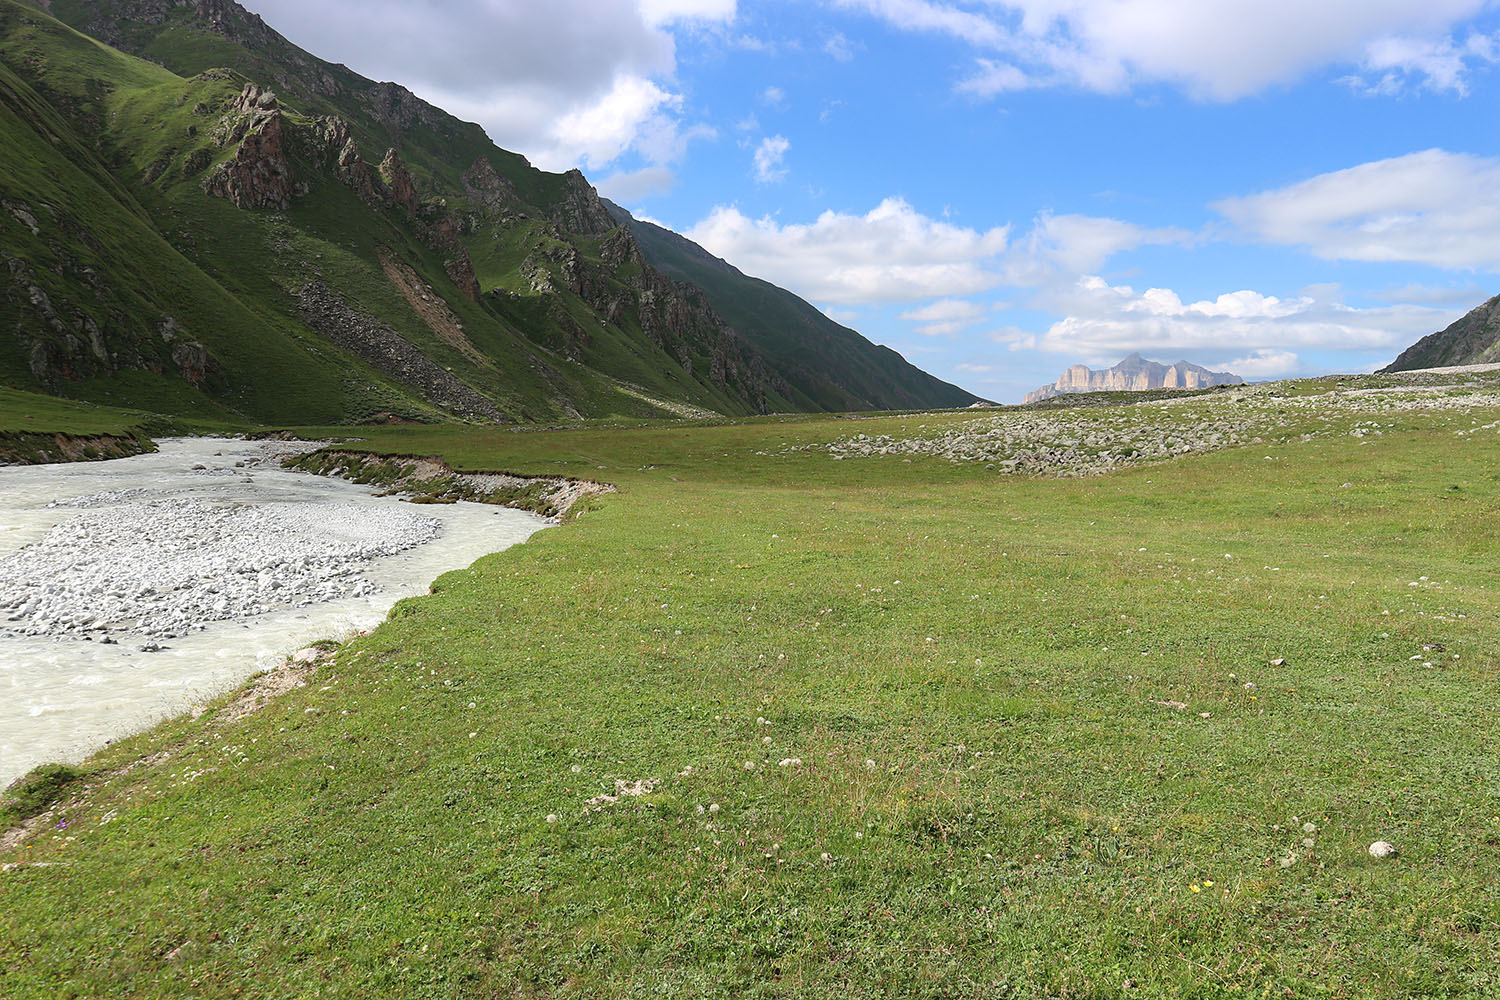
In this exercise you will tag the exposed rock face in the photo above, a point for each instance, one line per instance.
(1473, 340)
(580, 211)
(58, 347)
(259, 175)
(366, 337)
(399, 183)
(1134, 374)
(483, 185)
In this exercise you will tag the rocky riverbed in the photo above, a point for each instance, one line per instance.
(141, 587)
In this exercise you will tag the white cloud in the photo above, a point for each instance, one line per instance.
(567, 83)
(839, 47)
(632, 186)
(773, 97)
(1432, 207)
(1065, 246)
(893, 253)
(1215, 51)
(945, 316)
(1108, 321)
(599, 132)
(770, 159)
(1394, 66)
(665, 11)
(997, 78)
(1264, 363)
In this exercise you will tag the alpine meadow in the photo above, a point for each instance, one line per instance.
(794, 670)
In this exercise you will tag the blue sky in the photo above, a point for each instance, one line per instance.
(1001, 188)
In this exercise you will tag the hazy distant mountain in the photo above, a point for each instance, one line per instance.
(1132, 375)
(1473, 340)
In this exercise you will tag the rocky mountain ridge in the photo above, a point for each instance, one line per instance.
(1134, 374)
(381, 259)
(1474, 339)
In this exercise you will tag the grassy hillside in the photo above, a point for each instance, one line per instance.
(917, 728)
(830, 365)
(132, 282)
(561, 286)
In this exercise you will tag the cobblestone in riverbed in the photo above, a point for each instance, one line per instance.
(162, 568)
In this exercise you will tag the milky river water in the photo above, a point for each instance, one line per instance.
(65, 691)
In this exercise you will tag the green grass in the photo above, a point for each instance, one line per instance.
(968, 667)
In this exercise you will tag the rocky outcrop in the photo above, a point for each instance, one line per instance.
(483, 185)
(1473, 340)
(258, 176)
(366, 337)
(579, 210)
(398, 182)
(1134, 374)
(58, 346)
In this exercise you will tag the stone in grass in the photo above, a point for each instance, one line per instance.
(1382, 849)
(1280, 661)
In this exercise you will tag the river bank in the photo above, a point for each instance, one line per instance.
(139, 588)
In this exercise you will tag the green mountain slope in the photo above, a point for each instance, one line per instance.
(829, 365)
(296, 243)
(1473, 340)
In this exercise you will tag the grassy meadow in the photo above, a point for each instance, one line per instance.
(766, 723)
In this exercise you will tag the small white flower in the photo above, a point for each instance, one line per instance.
(859, 835)
(766, 740)
(869, 765)
(713, 808)
(1309, 827)
(575, 769)
(552, 817)
(472, 735)
(1307, 842)
(826, 856)
(749, 765)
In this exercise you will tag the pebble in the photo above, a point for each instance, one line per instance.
(164, 568)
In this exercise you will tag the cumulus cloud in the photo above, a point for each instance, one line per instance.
(1264, 363)
(893, 253)
(770, 159)
(1066, 246)
(1432, 207)
(945, 316)
(567, 83)
(1215, 51)
(1107, 321)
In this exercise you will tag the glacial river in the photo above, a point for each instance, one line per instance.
(96, 559)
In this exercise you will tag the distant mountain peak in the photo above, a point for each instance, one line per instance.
(1133, 374)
